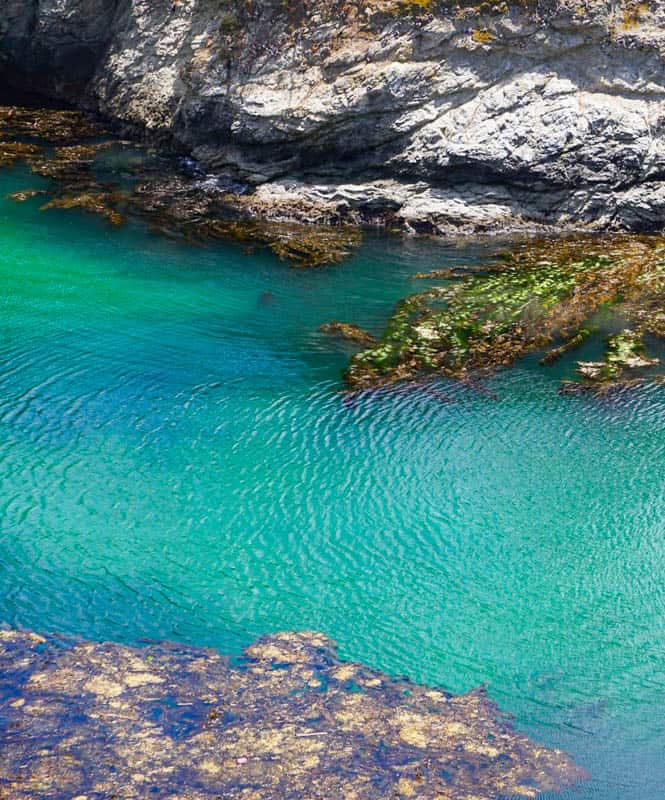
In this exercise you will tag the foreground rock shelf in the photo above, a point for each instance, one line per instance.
(288, 720)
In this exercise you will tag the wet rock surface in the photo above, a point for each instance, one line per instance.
(175, 197)
(433, 116)
(287, 719)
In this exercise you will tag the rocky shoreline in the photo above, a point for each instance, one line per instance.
(428, 116)
(175, 198)
(287, 719)
(539, 294)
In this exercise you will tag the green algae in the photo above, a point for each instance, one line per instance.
(539, 293)
(625, 351)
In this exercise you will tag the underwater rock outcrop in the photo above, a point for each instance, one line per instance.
(541, 294)
(287, 719)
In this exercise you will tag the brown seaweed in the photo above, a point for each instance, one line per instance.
(62, 149)
(349, 332)
(288, 720)
(542, 292)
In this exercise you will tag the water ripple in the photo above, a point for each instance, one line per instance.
(177, 461)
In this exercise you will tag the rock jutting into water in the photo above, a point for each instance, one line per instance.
(539, 293)
(287, 720)
(428, 115)
(64, 147)
(349, 332)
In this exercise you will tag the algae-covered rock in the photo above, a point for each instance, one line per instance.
(539, 293)
(287, 720)
(94, 202)
(187, 209)
(625, 351)
(25, 195)
(53, 125)
(11, 152)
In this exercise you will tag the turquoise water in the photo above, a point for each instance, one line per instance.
(176, 461)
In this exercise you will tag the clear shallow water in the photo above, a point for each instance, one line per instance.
(176, 462)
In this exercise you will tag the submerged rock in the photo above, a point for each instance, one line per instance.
(25, 195)
(11, 152)
(287, 720)
(94, 202)
(625, 351)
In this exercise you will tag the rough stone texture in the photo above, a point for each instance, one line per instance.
(424, 114)
(99, 721)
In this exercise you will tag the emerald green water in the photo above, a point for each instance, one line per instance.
(176, 462)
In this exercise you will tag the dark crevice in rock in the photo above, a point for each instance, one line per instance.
(14, 93)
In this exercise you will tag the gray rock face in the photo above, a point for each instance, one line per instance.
(430, 115)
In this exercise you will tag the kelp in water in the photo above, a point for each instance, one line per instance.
(63, 146)
(541, 294)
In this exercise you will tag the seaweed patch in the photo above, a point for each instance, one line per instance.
(540, 295)
(64, 146)
(287, 719)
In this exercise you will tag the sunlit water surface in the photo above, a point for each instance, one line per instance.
(176, 461)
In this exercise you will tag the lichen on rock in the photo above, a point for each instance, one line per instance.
(286, 720)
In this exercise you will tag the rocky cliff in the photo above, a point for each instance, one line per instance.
(433, 116)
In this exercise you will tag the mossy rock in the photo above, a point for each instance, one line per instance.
(537, 294)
